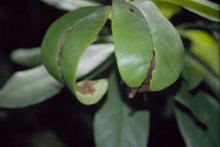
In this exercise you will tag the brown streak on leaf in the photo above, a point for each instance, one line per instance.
(145, 87)
(87, 88)
(61, 46)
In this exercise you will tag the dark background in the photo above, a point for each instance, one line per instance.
(60, 121)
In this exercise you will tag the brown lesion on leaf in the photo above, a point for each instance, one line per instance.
(145, 86)
(61, 45)
(87, 87)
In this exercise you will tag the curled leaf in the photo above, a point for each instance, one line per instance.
(148, 49)
(66, 41)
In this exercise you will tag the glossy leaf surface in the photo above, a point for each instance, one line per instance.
(147, 46)
(133, 52)
(87, 28)
(56, 35)
(116, 124)
(70, 42)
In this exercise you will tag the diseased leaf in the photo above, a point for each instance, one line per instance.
(70, 4)
(27, 57)
(148, 49)
(95, 55)
(205, 47)
(23, 85)
(64, 45)
(57, 33)
(133, 53)
(87, 28)
(202, 128)
(203, 8)
(116, 125)
(29, 87)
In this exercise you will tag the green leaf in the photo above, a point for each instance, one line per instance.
(192, 74)
(55, 37)
(148, 48)
(203, 132)
(211, 80)
(87, 28)
(27, 57)
(26, 95)
(116, 125)
(168, 9)
(203, 8)
(28, 87)
(70, 4)
(95, 55)
(205, 47)
(133, 54)
(66, 41)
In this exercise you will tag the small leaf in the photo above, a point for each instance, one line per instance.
(28, 87)
(203, 8)
(205, 47)
(148, 49)
(70, 4)
(27, 57)
(204, 131)
(116, 126)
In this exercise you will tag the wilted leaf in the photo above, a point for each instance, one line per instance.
(117, 125)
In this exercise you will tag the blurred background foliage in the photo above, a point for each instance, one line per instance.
(64, 122)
